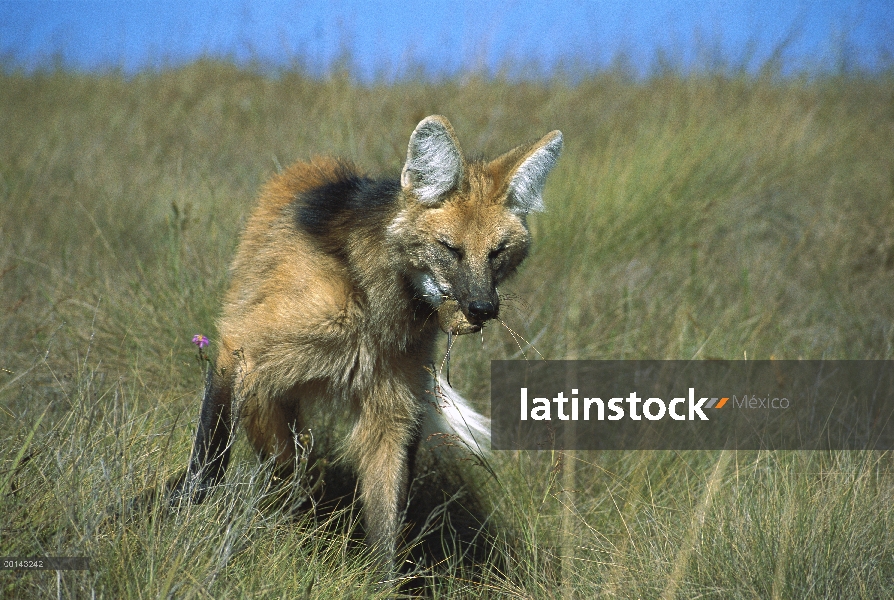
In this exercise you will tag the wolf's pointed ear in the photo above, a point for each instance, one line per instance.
(527, 178)
(434, 162)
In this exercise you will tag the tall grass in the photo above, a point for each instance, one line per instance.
(699, 216)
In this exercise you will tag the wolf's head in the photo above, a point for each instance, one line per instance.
(462, 226)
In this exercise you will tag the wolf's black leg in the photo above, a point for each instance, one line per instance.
(211, 451)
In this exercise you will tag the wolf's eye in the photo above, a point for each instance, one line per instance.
(456, 252)
(495, 253)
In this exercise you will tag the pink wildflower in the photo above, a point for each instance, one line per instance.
(200, 340)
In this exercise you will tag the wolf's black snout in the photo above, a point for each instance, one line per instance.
(482, 311)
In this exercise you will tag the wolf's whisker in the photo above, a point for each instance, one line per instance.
(516, 337)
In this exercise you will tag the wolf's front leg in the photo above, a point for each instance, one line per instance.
(383, 446)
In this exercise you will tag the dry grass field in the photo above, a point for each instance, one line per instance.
(696, 216)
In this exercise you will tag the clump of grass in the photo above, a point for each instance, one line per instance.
(707, 215)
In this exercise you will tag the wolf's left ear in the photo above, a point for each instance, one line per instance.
(527, 179)
(434, 162)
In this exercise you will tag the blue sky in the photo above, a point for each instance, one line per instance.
(445, 36)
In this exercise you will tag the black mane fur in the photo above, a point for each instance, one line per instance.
(347, 197)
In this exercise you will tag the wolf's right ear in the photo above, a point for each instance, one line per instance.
(434, 161)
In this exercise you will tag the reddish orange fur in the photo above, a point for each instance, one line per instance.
(344, 324)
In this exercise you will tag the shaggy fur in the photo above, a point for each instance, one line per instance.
(331, 311)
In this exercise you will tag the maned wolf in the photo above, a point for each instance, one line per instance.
(335, 288)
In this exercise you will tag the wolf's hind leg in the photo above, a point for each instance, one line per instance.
(211, 450)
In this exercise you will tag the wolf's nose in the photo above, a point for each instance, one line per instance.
(482, 311)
